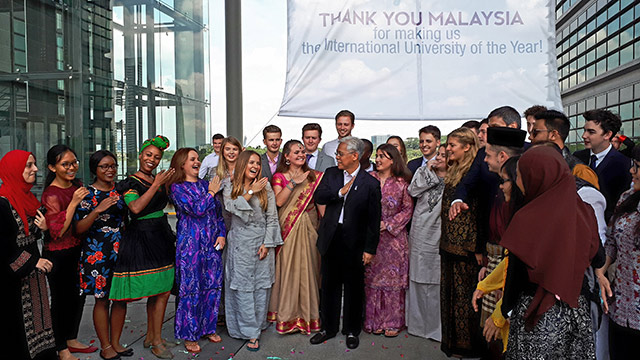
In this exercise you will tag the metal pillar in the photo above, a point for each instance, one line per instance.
(233, 47)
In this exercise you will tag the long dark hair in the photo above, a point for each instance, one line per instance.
(630, 204)
(510, 168)
(284, 167)
(95, 159)
(53, 156)
(399, 167)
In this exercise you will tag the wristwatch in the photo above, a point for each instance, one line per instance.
(250, 192)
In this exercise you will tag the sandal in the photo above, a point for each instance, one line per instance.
(115, 357)
(163, 354)
(378, 332)
(192, 347)
(391, 333)
(166, 343)
(126, 353)
(253, 342)
(214, 338)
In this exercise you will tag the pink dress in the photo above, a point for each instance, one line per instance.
(387, 277)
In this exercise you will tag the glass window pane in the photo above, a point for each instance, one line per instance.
(626, 18)
(613, 26)
(626, 55)
(627, 128)
(613, 61)
(601, 67)
(626, 111)
(612, 44)
(591, 72)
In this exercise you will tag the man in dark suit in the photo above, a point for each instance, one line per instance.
(612, 167)
(347, 240)
(429, 141)
(311, 137)
(272, 139)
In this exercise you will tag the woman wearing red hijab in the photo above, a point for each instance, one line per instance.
(27, 316)
(551, 240)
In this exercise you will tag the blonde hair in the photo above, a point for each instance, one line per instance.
(457, 169)
(237, 183)
(222, 168)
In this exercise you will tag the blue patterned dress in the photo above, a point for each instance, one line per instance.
(198, 264)
(100, 243)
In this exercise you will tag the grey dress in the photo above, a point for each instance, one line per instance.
(423, 298)
(248, 279)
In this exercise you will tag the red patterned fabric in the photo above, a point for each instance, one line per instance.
(14, 188)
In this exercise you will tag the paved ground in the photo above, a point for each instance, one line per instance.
(272, 345)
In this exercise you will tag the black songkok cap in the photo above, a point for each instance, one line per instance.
(505, 136)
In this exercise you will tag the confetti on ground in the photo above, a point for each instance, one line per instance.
(405, 335)
(222, 348)
(372, 343)
(301, 352)
(384, 347)
(347, 350)
(274, 358)
(401, 355)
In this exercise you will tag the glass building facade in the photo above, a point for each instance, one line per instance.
(598, 55)
(103, 74)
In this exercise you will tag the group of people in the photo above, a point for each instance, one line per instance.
(494, 246)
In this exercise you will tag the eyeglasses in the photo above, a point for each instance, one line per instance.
(107, 167)
(67, 165)
(340, 154)
(535, 132)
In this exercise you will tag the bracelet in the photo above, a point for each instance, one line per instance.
(211, 192)
(288, 187)
(293, 182)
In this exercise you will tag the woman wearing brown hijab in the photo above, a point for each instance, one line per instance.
(552, 240)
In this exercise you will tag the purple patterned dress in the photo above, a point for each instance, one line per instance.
(387, 277)
(198, 264)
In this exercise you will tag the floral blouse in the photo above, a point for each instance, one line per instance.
(620, 246)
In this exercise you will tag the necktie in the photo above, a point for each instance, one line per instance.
(592, 164)
(309, 156)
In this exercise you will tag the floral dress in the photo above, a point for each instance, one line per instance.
(100, 243)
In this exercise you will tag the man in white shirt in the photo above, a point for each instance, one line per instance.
(345, 121)
(211, 160)
(311, 137)
(429, 143)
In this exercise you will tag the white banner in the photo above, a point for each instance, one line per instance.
(415, 60)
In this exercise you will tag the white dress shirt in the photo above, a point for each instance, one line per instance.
(331, 147)
(313, 160)
(599, 156)
(346, 178)
(425, 160)
(597, 201)
(209, 162)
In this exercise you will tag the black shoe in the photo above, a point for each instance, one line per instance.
(352, 341)
(128, 352)
(320, 337)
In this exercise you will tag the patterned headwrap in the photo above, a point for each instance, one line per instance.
(161, 142)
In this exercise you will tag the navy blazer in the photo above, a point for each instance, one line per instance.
(414, 164)
(613, 176)
(362, 211)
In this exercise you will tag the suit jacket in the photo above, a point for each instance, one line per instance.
(266, 170)
(613, 176)
(324, 161)
(362, 211)
(414, 164)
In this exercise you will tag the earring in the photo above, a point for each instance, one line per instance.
(287, 162)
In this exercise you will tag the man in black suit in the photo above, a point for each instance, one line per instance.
(429, 141)
(347, 240)
(612, 167)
